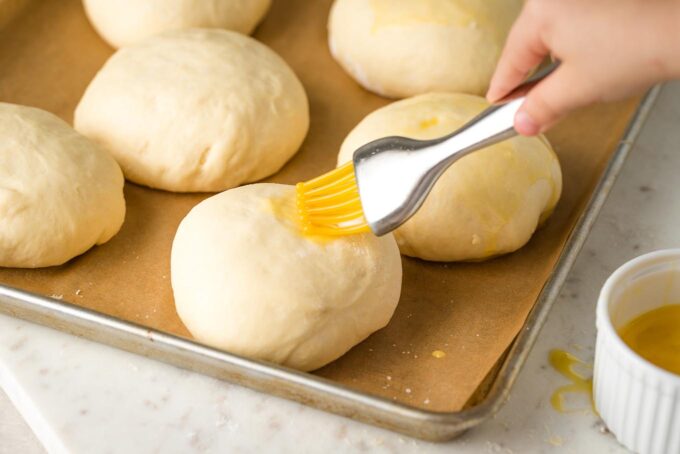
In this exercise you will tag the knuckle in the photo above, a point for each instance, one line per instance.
(543, 108)
(517, 69)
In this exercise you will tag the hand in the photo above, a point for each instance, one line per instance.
(609, 49)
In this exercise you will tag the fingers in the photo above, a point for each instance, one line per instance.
(550, 100)
(524, 50)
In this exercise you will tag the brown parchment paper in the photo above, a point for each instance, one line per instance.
(470, 311)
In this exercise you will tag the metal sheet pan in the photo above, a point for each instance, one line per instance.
(311, 389)
(316, 391)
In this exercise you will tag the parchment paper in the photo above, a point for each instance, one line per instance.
(470, 311)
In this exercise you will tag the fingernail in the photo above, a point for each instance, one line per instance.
(492, 94)
(525, 125)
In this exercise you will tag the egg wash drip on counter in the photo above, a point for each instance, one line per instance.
(581, 384)
(655, 335)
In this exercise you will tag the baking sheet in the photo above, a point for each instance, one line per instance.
(472, 312)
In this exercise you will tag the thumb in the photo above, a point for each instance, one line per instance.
(549, 101)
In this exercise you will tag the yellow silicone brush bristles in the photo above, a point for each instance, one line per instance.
(330, 205)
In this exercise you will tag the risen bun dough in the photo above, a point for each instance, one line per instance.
(196, 110)
(124, 22)
(60, 194)
(246, 281)
(488, 203)
(400, 48)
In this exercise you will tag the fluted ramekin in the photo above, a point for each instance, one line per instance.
(639, 402)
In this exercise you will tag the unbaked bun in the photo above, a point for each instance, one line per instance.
(488, 203)
(124, 22)
(196, 110)
(60, 194)
(245, 280)
(401, 48)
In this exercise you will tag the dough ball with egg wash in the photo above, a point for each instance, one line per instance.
(246, 280)
(124, 22)
(60, 194)
(488, 203)
(198, 110)
(402, 48)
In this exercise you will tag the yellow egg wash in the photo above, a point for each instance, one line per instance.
(285, 209)
(655, 335)
(388, 13)
(500, 206)
(491, 248)
(440, 119)
(555, 192)
(428, 123)
(565, 363)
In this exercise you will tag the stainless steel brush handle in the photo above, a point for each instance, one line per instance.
(395, 174)
(496, 123)
(493, 125)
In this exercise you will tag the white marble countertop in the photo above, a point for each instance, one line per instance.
(83, 397)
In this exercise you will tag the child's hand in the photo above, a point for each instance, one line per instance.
(609, 49)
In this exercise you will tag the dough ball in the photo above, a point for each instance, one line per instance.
(245, 280)
(488, 203)
(124, 22)
(401, 48)
(60, 194)
(196, 110)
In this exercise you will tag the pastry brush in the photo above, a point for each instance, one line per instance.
(388, 179)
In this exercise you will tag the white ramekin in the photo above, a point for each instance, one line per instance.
(639, 402)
